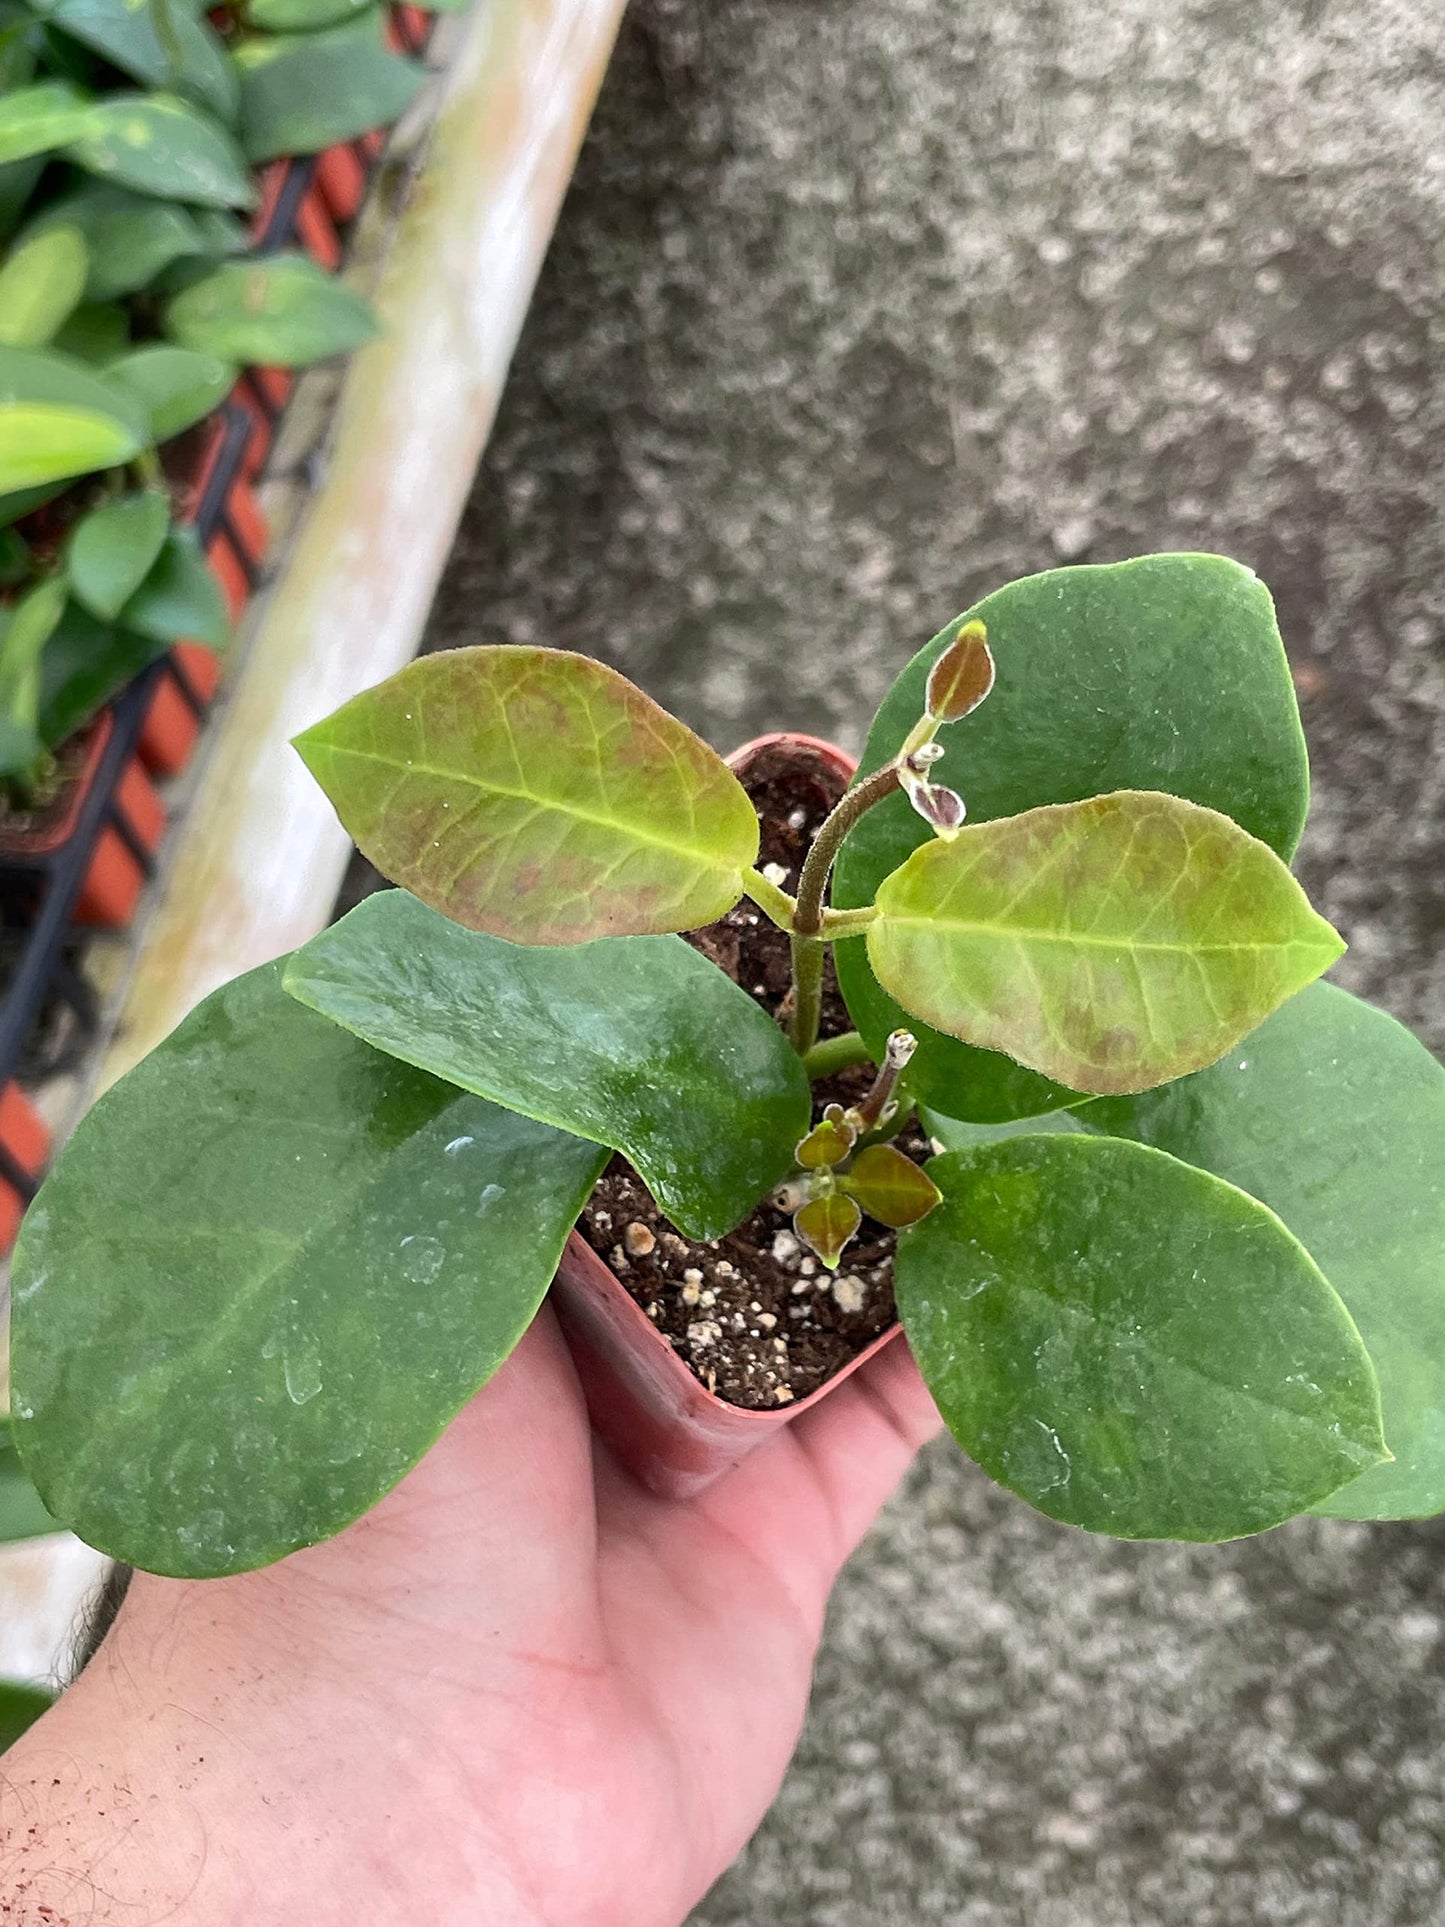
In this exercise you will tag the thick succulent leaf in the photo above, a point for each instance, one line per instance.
(301, 92)
(891, 1187)
(22, 1512)
(112, 548)
(58, 419)
(1110, 944)
(267, 1270)
(37, 120)
(1334, 1116)
(40, 282)
(1165, 673)
(180, 600)
(634, 1042)
(129, 237)
(536, 795)
(1133, 1345)
(177, 387)
(20, 1707)
(160, 145)
(124, 32)
(278, 309)
(84, 664)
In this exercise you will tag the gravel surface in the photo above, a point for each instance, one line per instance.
(856, 310)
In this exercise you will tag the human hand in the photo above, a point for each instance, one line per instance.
(522, 1690)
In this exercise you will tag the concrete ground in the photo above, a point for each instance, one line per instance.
(857, 309)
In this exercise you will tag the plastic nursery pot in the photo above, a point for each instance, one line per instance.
(663, 1423)
(24, 1148)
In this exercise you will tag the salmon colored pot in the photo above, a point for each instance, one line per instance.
(115, 877)
(342, 180)
(26, 1138)
(661, 1420)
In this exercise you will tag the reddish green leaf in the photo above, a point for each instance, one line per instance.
(536, 795)
(962, 676)
(826, 1144)
(1111, 944)
(891, 1187)
(826, 1224)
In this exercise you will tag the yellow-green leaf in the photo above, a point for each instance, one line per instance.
(39, 285)
(891, 1187)
(1110, 944)
(536, 795)
(826, 1224)
(828, 1143)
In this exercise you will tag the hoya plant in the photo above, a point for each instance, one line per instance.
(128, 130)
(1169, 1234)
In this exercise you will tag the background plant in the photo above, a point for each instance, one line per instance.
(1182, 1275)
(128, 137)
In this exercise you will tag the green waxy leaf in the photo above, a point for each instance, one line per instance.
(638, 1043)
(180, 600)
(38, 119)
(40, 282)
(1110, 944)
(96, 334)
(536, 795)
(112, 549)
(1165, 673)
(890, 1187)
(264, 1274)
(160, 145)
(303, 16)
(301, 92)
(1333, 1115)
(278, 309)
(84, 664)
(58, 419)
(1130, 1344)
(177, 387)
(27, 628)
(126, 35)
(22, 1515)
(827, 1224)
(129, 237)
(20, 1707)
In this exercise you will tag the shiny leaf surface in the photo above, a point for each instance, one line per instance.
(177, 387)
(180, 600)
(38, 119)
(828, 1143)
(1130, 1344)
(125, 34)
(301, 92)
(891, 1187)
(129, 236)
(160, 145)
(113, 547)
(639, 1043)
(1165, 673)
(1333, 1115)
(40, 282)
(1109, 944)
(267, 1270)
(278, 309)
(536, 795)
(58, 419)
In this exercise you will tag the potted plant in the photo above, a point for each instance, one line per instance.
(1160, 1213)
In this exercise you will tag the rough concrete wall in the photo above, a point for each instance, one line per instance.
(857, 309)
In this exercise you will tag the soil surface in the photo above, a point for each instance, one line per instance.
(754, 1314)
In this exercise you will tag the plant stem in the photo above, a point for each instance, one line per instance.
(808, 955)
(839, 1053)
(900, 1047)
(774, 902)
(813, 883)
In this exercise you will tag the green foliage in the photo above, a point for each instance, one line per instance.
(302, 16)
(40, 282)
(1165, 673)
(130, 237)
(27, 628)
(125, 33)
(329, 1252)
(22, 1514)
(1109, 944)
(1133, 1345)
(177, 387)
(112, 548)
(301, 92)
(616, 1041)
(161, 145)
(276, 309)
(85, 663)
(20, 1707)
(59, 419)
(536, 795)
(179, 600)
(36, 120)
